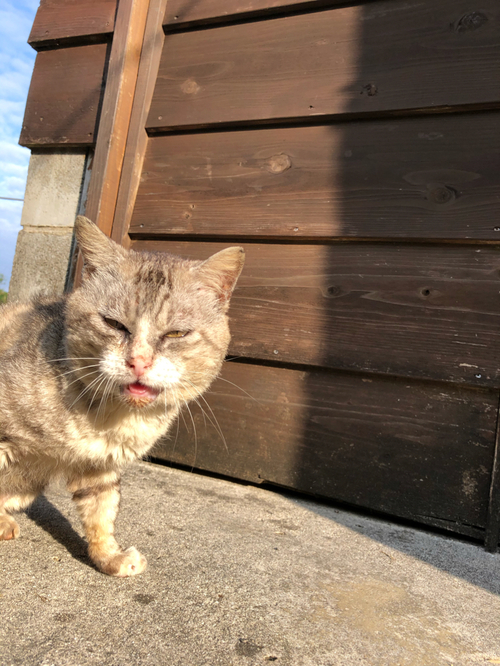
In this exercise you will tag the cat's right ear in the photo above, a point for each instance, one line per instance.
(99, 252)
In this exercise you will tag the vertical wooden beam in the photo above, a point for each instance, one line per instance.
(116, 111)
(138, 139)
(492, 535)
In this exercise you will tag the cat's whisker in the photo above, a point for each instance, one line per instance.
(74, 358)
(85, 367)
(216, 421)
(216, 425)
(239, 387)
(107, 389)
(104, 378)
(85, 390)
(194, 397)
(82, 377)
(222, 379)
(182, 416)
(178, 406)
(177, 432)
(195, 437)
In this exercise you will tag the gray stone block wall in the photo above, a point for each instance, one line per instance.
(54, 196)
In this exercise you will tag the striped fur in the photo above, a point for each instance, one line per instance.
(91, 381)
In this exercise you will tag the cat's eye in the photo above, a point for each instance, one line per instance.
(117, 325)
(176, 334)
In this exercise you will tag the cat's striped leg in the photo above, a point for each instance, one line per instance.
(9, 529)
(97, 497)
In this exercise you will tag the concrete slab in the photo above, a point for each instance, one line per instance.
(240, 575)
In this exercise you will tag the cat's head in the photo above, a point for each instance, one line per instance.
(148, 328)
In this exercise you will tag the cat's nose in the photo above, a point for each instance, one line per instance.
(139, 365)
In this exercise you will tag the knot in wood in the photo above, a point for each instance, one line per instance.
(333, 291)
(471, 21)
(370, 89)
(190, 87)
(278, 163)
(441, 194)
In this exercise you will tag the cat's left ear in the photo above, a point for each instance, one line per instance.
(99, 251)
(221, 271)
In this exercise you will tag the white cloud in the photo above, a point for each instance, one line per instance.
(13, 152)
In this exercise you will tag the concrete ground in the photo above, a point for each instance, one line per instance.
(242, 575)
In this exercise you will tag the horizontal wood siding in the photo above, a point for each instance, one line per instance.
(415, 55)
(59, 21)
(400, 178)
(354, 152)
(182, 12)
(414, 450)
(411, 310)
(64, 98)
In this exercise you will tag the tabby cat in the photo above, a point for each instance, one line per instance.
(93, 380)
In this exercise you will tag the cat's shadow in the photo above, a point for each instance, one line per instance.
(44, 514)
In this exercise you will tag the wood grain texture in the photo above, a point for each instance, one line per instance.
(187, 12)
(64, 97)
(137, 138)
(410, 449)
(406, 178)
(378, 57)
(116, 112)
(410, 310)
(63, 21)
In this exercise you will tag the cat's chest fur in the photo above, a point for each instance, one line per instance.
(118, 437)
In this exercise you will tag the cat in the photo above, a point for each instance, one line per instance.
(92, 380)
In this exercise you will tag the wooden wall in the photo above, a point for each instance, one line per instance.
(354, 152)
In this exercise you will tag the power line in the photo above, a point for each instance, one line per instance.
(11, 199)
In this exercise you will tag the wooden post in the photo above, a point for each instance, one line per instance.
(116, 111)
(138, 138)
(114, 121)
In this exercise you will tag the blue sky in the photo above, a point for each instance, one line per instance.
(16, 66)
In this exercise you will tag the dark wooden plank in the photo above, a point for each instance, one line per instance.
(64, 97)
(413, 450)
(61, 21)
(188, 13)
(411, 310)
(137, 138)
(379, 57)
(406, 178)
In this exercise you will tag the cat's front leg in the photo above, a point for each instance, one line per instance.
(97, 497)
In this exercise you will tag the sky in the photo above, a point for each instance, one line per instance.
(16, 66)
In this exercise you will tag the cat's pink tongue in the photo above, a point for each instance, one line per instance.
(138, 390)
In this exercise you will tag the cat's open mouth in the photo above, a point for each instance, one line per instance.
(140, 394)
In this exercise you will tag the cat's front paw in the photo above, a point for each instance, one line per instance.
(129, 562)
(9, 529)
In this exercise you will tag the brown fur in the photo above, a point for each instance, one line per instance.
(91, 381)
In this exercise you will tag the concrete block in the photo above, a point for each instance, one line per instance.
(41, 262)
(55, 179)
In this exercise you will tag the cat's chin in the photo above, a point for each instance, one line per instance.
(139, 395)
